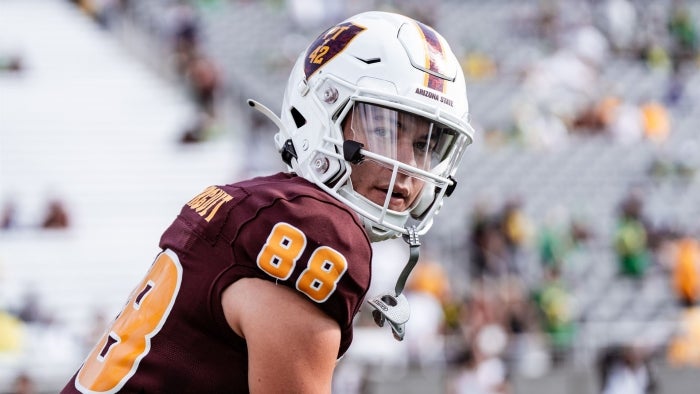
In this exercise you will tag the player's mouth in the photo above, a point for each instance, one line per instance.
(398, 200)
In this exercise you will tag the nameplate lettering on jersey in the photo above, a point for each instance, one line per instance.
(208, 202)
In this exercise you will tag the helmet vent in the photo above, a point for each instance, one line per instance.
(299, 119)
(369, 61)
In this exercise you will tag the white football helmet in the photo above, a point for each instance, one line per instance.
(387, 75)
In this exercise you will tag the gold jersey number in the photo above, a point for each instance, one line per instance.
(282, 250)
(116, 357)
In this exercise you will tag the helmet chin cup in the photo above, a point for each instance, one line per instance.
(376, 233)
(426, 199)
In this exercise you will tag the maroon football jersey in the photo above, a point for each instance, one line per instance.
(172, 336)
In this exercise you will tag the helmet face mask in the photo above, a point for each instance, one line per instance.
(392, 85)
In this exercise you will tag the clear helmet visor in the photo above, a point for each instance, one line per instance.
(406, 158)
(408, 138)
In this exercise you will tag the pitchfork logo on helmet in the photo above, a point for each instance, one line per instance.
(329, 44)
(379, 95)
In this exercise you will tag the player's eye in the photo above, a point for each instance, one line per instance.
(424, 146)
(380, 131)
(421, 146)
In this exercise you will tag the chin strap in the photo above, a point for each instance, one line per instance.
(394, 308)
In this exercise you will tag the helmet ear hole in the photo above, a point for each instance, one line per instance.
(299, 119)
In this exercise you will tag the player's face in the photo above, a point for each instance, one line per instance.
(397, 135)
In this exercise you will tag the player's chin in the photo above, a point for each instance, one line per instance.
(398, 204)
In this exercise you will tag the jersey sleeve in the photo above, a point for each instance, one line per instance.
(312, 246)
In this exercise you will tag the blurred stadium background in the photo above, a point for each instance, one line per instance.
(566, 262)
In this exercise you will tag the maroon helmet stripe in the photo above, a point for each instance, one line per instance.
(434, 51)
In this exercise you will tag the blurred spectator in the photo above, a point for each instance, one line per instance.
(683, 31)
(204, 82)
(620, 20)
(556, 310)
(523, 354)
(427, 291)
(560, 88)
(24, 384)
(684, 347)
(465, 379)
(687, 161)
(197, 130)
(56, 216)
(656, 55)
(478, 65)
(553, 243)
(656, 121)
(686, 271)
(30, 310)
(606, 110)
(675, 90)
(430, 277)
(471, 377)
(627, 122)
(626, 370)
(631, 237)
(517, 311)
(580, 230)
(517, 230)
(11, 63)
(477, 240)
(497, 322)
(185, 25)
(489, 255)
(547, 23)
(479, 309)
(626, 125)
(204, 79)
(198, 71)
(11, 333)
(8, 216)
(678, 168)
(558, 236)
(661, 168)
(599, 116)
(490, 345)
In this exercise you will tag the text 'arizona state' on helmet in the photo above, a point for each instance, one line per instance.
(350, 97)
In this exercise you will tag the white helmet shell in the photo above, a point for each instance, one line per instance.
(386, 60)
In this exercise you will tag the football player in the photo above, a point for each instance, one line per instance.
(258, 282)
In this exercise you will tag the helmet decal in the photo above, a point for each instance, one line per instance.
(434, 57)
(328, 45)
